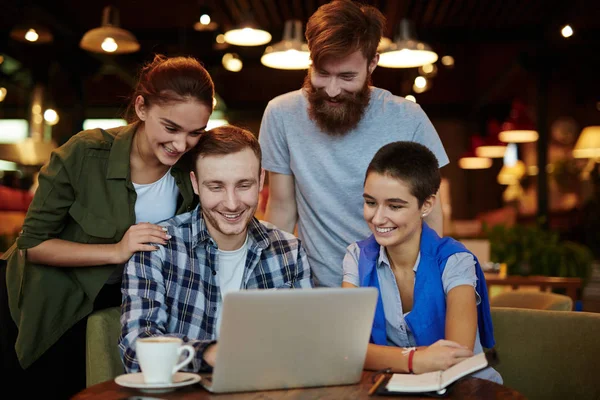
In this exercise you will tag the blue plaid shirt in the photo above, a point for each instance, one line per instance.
(173, 291)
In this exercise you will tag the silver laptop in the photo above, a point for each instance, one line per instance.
(280, 339)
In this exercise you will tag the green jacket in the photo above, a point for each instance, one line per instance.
(85, 195)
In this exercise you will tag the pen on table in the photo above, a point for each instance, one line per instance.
(376, 385)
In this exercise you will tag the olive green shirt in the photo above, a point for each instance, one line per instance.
(85, 195)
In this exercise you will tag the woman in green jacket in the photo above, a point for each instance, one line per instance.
(98, 201)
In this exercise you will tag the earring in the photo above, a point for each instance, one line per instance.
(423, 215)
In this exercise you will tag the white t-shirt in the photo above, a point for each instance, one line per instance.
(156, 201)
(230, 272)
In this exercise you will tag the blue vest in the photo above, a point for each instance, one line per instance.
(427, 320)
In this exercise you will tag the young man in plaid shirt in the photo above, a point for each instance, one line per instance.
(178, 289)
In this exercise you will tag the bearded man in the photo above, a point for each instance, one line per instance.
(317, 141)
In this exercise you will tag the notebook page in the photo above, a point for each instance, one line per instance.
(464, 368)
(427, 382)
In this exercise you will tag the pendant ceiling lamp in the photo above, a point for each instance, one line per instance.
(31, 33)
(470, 160)
(406, 51)
(247, 33)
(519, 127)
(588, 144)
(109, 38)
(492, 146)
(291, 53)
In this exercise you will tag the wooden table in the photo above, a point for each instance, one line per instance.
(570, 284)
(467, 388)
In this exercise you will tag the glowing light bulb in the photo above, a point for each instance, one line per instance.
(205, 19)
(31, 35)
(567, 31)
(109, 45)
(51, 116)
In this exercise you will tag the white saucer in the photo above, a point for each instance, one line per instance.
(136, 381)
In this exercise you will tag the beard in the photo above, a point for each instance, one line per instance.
(337, 120)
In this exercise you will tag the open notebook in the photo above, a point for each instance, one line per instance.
(436, 381)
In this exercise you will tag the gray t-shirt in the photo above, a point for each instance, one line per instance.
(459, 270)
(329, 171)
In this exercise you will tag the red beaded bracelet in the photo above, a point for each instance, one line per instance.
(410, 361)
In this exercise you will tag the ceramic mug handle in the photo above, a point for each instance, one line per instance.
(191, 352)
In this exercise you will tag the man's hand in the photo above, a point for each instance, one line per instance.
(210, 354)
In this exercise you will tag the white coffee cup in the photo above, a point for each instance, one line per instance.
(158, 357)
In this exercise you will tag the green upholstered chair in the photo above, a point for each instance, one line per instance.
(548, 354)
(103, 361)
(534, 300)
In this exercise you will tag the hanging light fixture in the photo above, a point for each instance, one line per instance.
(291, 53)
(109, 38)
(588, 144)
(406, 51)
(205, 22)
(519, 127)
(492, 146)
(470, 160)
(232, 62)
(31, 33)
(247, 34)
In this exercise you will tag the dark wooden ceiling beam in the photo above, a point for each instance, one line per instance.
(257, 11)
(442, 12)
(285, 10)
(236, 13)
(274, 14)
(298, 10)
(432, 8)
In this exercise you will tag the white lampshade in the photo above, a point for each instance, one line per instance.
(291, 53)
(109, 38)
(588, 144)
(247, 36)
(406, 51)
(518, 128)
(473, 162)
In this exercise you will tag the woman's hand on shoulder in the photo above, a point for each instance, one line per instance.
(439, 356)
(137, 238)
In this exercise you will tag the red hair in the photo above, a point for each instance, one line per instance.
(342, 27)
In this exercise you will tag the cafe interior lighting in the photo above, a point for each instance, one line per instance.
(428, 70)
(406, 51)
(566, 31)
(31, 33)
(519, 127)
(51, 117)
(248, 33)
(109, 38)
(511, 174)
(470, 160)
(491, 146)
(588, 144)
(3, 93)
(205, 23)
(232, 62)
(410, 97)
(448, 61)
(291, 52)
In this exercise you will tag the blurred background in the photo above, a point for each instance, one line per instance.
(512, 87)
